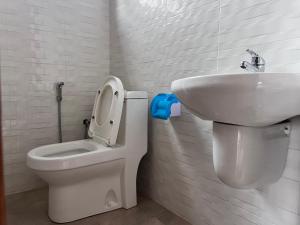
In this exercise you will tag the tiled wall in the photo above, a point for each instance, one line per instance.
(154, 42)
(41, 42)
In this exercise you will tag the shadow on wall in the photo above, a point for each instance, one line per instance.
(179, 159)
(117, 56)
(178, 173)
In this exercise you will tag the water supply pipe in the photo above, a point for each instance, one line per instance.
(59, 98)
(86, 123)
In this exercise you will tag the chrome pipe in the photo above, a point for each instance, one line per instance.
(86, 123)
(59, 86)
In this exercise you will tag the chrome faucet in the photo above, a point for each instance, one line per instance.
(257, 62)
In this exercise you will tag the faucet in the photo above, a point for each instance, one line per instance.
(257, 62)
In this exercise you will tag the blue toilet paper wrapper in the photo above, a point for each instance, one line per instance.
(160, 107)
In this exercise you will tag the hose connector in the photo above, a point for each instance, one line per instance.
(59, 86)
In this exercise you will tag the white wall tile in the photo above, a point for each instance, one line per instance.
(43, 42)
(155, 42)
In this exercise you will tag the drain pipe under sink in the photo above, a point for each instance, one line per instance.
(59, 86)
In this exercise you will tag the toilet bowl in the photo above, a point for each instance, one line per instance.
(96, 175)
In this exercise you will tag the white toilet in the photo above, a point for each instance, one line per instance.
(93, 176)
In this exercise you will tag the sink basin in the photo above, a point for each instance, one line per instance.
(247, 99)
(249, 147)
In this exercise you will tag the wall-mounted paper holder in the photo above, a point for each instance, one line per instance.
(164, 106)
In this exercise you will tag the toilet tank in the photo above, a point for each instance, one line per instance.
(133, 132)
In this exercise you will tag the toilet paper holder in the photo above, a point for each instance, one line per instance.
(164, 106)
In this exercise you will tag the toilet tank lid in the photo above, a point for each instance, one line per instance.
(136, 95)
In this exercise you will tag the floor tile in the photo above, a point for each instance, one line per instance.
(30, 208)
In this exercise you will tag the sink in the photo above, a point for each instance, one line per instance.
(247, 99)
(250, 131)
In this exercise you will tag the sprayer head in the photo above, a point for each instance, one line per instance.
(60, 84)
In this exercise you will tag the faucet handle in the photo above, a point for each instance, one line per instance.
(257, 62)
(256, 58)
(252, 53)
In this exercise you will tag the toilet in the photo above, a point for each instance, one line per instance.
(97, 175)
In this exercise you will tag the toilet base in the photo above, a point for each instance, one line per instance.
(72, 198)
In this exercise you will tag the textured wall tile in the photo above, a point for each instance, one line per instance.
(43, 42)
(155, 42)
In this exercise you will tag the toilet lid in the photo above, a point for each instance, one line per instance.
(107, 111)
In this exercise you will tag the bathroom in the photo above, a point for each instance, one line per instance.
(145, 45)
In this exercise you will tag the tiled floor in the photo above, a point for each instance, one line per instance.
(30, 208)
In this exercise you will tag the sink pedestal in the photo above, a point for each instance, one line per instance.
(249, 157)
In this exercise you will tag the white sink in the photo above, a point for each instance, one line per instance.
(251, 99)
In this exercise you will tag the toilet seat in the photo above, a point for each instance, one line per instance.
(107, 112)
(94, 153)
